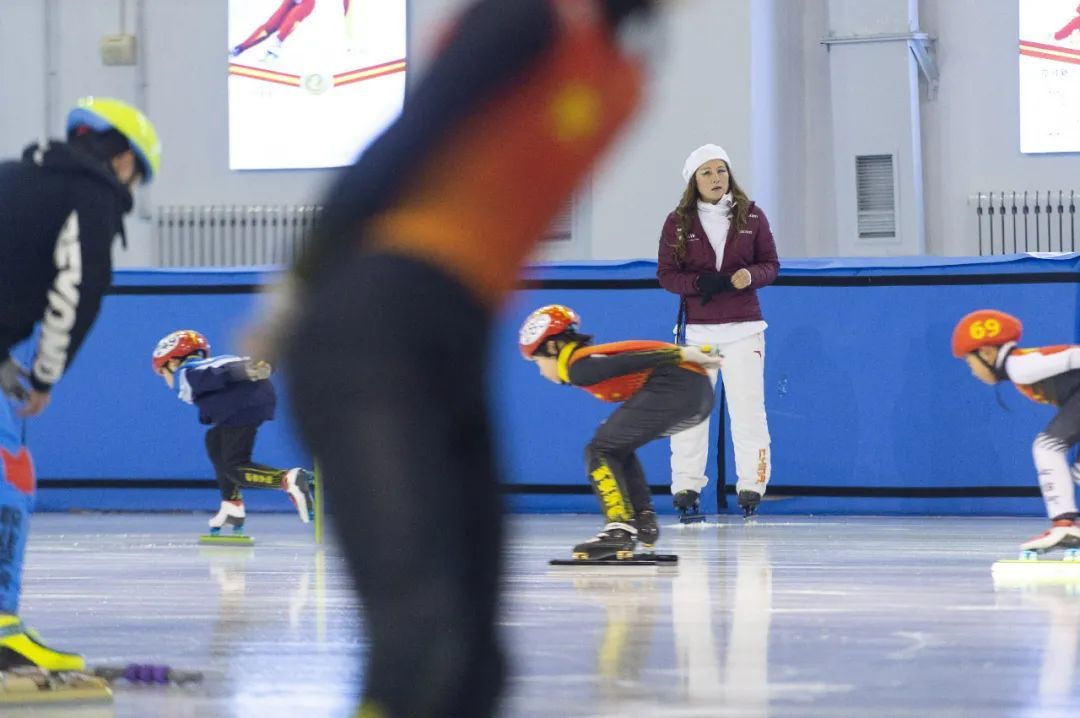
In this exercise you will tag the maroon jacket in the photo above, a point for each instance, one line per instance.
(751, 247)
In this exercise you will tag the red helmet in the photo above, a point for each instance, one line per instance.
(543, 324)
(177, 346)
(984, 328)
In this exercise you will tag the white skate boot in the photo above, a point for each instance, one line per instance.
(1063, 534)
(297, 484)
(273, 51)
(231, 513)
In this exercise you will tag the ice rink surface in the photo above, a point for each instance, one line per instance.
(785, 616)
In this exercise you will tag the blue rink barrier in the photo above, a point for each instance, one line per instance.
(868, 411)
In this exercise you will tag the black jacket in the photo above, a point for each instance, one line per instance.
(60, 211)
(223, 392)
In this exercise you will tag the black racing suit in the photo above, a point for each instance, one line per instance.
(418, 245)
(660, 396)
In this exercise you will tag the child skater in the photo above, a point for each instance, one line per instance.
(235, 396)
(663, 389)
(986, 339)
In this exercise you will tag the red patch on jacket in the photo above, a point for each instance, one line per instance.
(18, 470)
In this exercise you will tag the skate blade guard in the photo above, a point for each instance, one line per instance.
(1033, 567)
(30, 685)
(638, 559)
(226, 540)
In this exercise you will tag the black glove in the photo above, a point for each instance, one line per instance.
(13, 376)
(712, 283)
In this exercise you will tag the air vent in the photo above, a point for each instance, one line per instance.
(875, 182)
(562, 228)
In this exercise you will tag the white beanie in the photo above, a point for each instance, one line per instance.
(702, 155)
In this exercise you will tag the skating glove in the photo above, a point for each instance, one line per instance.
(12, 378)
(712, 283)
(257, 371)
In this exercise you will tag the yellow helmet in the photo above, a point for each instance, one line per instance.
(103, 113)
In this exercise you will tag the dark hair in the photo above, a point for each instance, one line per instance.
(687, 208)
(102, 145)
(562, 340)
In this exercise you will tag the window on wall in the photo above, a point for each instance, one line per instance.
(312, 82)
(1049, 76)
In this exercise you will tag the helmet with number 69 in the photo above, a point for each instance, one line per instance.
(178, 345)
(544, 323)
(984, 328)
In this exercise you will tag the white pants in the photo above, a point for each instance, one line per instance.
(744, 386)
(1051, 456)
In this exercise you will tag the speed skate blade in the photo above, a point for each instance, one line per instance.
(585, 562)
(31, 685)
(693, 519)
(657, 557)
(223, 540)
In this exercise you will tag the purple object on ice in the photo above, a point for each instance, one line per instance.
(146, 673)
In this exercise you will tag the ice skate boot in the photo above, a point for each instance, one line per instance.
(647, 534)
(647, 530)
(616, 541)
(1063, 534)
(231, 513)
(21, 646)
(689, 507)
(273, 51)
(748, 502)
(297, 484)
(32, 673)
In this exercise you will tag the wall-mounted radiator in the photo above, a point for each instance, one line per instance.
(1026, 221)
(252, 235)
(216, 236)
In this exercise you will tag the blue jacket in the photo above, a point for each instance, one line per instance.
(220, 387)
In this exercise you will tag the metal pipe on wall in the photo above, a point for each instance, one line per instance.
(52, 72)
(142, 93)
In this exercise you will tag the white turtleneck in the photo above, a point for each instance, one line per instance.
(716, 219)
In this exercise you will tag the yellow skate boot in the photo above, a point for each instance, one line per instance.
(20, 646)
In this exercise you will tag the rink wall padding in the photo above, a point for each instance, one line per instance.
(869, 412)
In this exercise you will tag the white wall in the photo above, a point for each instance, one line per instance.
(971, 132)
(184, 51)
(22, 74)
(698, 94)
(875, 89)
(813, 200)
(748, 74)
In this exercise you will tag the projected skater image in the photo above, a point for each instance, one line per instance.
(278, 27)
(61, 209)
(663, 389)
(1070, 27)
(235, 396)
(716, 251)
(987, 340)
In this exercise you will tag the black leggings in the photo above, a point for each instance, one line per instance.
(386, 374)
(673, 399)
(229, 449)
